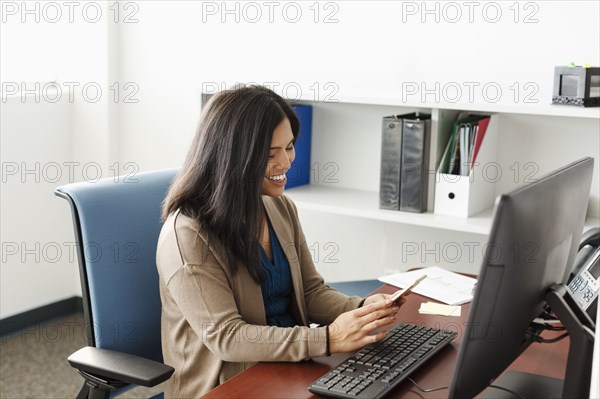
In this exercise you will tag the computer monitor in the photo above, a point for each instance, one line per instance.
(533, 242)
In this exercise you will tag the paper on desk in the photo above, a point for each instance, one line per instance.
(439, 309)
(445, 286)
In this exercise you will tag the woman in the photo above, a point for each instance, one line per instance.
(237, 281)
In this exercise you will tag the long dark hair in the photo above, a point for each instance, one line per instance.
(220, 183)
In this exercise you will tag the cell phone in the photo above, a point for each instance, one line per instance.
(400, 293)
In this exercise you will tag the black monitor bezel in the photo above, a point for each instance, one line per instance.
(471, 375)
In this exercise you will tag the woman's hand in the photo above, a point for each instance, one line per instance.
(351, 330)
(382, 297)
(375, 298)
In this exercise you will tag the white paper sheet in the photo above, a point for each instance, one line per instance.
(442, 285)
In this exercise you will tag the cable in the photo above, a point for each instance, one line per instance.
(548, 315)
(507, 390)
(548, 324)
(555, 328)
(426, 390)
(552, 340)
(541, 320)
(537, 338)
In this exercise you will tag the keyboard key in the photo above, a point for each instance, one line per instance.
(338, 389)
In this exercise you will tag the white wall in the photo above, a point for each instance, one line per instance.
(374, 50)
(64, 132)
(38, 254)
(174, 50)
(161, 54)
(531, 146)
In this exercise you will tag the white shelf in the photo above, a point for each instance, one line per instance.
(539, 109)
(526, 109)
(365, 204)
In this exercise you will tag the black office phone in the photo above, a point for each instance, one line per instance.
(584, 281)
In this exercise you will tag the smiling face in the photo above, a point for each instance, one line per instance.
(281, 156)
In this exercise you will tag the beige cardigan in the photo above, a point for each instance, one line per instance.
(213, 323)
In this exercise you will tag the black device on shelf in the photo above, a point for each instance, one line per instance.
(576, 85)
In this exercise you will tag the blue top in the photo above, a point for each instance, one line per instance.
(277, 287)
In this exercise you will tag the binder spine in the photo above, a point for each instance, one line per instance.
(391, 161)
(415, 165)
(299, 173)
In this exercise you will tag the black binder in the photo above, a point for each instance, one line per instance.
(405, 162)
(414, 177)
(391, 160)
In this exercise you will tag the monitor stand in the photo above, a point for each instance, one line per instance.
(526, 385)
(579, 364)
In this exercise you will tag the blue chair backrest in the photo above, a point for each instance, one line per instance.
(118, 224)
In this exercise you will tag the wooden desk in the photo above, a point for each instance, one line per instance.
(290, 380)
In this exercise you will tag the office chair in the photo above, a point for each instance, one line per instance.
(117, 224)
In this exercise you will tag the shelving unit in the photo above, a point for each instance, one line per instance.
(347, 213)
(527, 109)
(364, 204)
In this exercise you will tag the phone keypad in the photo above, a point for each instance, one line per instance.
(577, 283)
(584, 290)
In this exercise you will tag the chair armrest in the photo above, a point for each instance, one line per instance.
(130, 369)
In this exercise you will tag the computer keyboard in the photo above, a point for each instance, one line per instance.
(376, 369)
